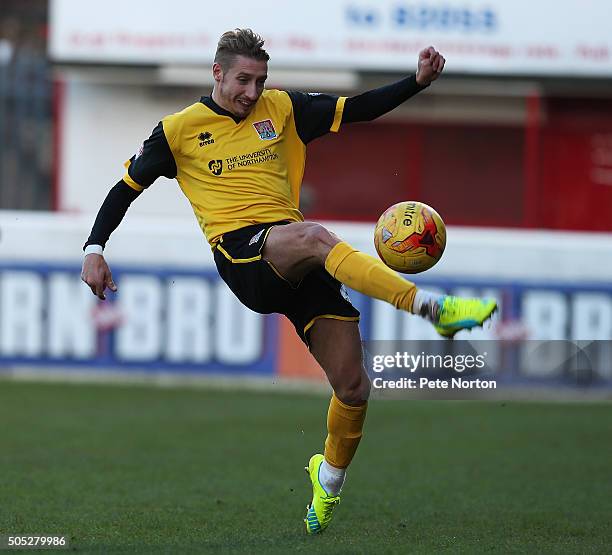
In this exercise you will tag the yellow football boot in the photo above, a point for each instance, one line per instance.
(320, 510)
(456, 314)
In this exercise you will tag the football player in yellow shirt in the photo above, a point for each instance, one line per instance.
(239, 156)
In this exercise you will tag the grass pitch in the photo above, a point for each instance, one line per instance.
(145, 470)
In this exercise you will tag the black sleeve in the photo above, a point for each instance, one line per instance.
(313, 113)
(153, 160)
(111, 213)
(372, 104)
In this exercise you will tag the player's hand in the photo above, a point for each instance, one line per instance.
(430, 66)
(97, 275)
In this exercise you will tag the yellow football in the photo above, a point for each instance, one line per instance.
(410, 237)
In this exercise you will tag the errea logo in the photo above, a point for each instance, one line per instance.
(205, 138)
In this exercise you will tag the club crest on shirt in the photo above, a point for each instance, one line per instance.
(265, 130)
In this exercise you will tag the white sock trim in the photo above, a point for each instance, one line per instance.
(331, 478)
(423, 299)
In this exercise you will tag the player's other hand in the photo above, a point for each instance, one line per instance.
(97, 275)
(430, 65)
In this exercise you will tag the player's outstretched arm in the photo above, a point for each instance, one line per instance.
(373, 104)
(95, 272)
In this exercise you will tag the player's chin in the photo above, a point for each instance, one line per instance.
(244, 110)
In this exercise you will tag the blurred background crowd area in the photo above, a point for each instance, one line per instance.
(486, 150)
(26, 101)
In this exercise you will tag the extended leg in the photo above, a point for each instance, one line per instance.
(297, 248)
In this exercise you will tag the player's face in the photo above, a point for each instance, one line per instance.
(239, 87)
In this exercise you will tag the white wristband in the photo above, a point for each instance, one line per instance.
(94, 249)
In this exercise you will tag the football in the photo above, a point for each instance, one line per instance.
(410, 237)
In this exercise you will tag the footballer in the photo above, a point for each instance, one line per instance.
(238, 156)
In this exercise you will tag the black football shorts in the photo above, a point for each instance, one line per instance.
(261, 288)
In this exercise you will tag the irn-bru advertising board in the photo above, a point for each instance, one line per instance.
(179, 316)
(161, 318)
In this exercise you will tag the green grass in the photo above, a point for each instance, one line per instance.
(146, 470)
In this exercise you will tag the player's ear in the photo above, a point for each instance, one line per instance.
(217, 72)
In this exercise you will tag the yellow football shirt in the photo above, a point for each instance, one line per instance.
(237, 172)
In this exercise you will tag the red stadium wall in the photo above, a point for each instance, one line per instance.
(576, 172)
(555, 172)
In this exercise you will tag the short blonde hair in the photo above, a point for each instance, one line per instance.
(239, 42)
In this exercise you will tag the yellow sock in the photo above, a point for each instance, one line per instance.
(344, 430)
(369, 276)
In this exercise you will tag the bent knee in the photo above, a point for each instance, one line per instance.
(354, 392)
(319, 239)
